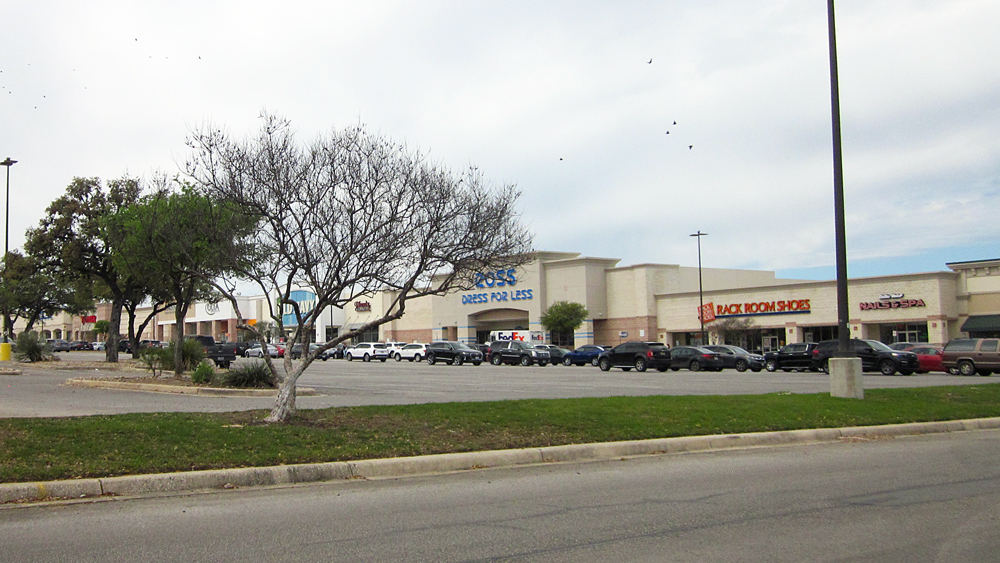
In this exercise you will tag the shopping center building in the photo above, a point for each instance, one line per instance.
(653, 302)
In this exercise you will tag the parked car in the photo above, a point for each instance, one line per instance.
(517, 352)
(97, 346)
(222, 353)
(297, 352)
(695, 358)
(368, 351)
(394, 347)
(586, 354)
(256, 351)
(80, 345)
(797, 356)
(638, 355)
(59, 345)
(413, 352)
(875, 356)
(124, 346)
(972, 355)
(450, 352)
(905, 346)
(555, 353)
(930, 358)
(737, 358)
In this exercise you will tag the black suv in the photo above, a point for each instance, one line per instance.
(638, 355)
(517, 352)
(452, 353)
(796, 356)
(875, 356)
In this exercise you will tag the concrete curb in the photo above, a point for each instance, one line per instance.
(180, 389)
(442, 463)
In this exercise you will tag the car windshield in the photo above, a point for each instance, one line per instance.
(879, 346)
(462, 346)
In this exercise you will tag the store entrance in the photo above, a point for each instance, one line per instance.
(903, 332)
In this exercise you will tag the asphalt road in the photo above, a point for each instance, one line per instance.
(342, 383)
(933, 498)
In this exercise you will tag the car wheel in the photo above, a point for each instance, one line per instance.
(604, 364)
(349, 357)
(984, 372)
(966, 368)
(661, 369)
(383, 360)
(771, 365)
(459, 361)
(567, 362)
(430, 359)
(495, 359)
(905, 372)
(399, 358)
(593, 361)
(542, 364)
(675, 369)
(476, 363)
(367, 358)
(325, 358)
(755, 370)
(695, 365)
(416, 358)
(741, 365)
(640, 364)
(953, 371)
(887, 367)
(449, 362)
(525, 360)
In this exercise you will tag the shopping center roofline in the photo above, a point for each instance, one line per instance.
(989, 262)
(814, 283)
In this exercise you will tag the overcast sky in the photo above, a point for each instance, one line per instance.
(570, 100)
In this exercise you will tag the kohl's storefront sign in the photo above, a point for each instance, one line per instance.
(497, 280)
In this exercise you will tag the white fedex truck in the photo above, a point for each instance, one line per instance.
(532, 336)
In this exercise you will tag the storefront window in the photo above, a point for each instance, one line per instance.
(903, 332)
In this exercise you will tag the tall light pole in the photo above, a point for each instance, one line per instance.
(843, 308)
(701, 291)
(6, 232)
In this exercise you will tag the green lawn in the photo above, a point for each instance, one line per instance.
(33, 449)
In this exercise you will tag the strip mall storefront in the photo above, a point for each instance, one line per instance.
(904, 308)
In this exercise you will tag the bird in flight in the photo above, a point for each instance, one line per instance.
(690, 147)
(650, 61)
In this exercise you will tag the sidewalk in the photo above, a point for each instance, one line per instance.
(133, 485)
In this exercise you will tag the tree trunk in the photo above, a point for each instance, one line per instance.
(114, 329)
(284, 401)
(179, 314)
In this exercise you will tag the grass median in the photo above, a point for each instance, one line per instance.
(41, 449)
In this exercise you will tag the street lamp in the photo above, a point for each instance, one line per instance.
(840, 228)
(701, 298)
(6, 230)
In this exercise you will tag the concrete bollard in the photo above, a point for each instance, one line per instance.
(5, 352)
(846, 379)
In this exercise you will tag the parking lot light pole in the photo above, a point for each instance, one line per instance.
(701, 298)
(8, 162)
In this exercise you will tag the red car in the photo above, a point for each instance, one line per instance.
(929, 357)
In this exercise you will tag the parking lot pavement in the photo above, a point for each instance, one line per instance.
(343, 383)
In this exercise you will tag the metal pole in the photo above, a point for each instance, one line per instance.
(843, 312)
(701, 298)
(6, 231)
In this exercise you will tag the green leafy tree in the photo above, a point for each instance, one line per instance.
(179, 237)
(73, 239)
(102, 327)
(562, 318)
(33, 289)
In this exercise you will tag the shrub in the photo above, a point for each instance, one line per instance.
(157, 359)
(253, 375)
(192, 354)
(203, 374)
(30, 348)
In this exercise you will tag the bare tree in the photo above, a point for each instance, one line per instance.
(348, 215)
